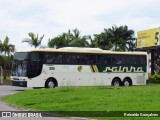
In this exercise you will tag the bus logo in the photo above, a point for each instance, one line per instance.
(79, 68)
(123, 69)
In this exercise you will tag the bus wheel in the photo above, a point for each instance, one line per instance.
(127, 82)
(50, 83)
(116, 82)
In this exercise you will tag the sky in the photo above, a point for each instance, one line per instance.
(53, 17)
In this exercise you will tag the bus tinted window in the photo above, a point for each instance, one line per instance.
(53, 58)
(136, 60)
(72, 59)
(79, 59)
(103, 59)
(34, 56)
(143, 60)
(21, 56)
(92, 59)
(118, 59)
(88, 59)
(34, 65)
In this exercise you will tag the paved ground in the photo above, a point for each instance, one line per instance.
(7, 90)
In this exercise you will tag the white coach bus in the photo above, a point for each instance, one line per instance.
(72, 66)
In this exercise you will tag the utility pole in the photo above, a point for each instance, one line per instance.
(152, 61)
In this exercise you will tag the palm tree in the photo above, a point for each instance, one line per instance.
(58, 42)
(115, 38)
(101, 40)
(7, 49)
(77, 40)
(68, 39)
(120, 36)
(79, 43)
(34, 40)
(76, 34)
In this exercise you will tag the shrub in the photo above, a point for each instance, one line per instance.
(154, 78)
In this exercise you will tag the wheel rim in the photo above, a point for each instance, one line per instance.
(126, 83)
(116, 83)
(50, 84)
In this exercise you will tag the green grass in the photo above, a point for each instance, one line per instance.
(135, 98)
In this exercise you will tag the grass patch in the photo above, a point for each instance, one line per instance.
(135, 98)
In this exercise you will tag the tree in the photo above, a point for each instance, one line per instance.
(58, 42)
(131, 44)
(76, 40)
(79, 43)
(72, 39)
(101, 41)
(7, 49)
(115, 38)
(120, 37)
(34, 40)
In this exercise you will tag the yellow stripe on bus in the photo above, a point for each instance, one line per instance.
(91, 68)
(95, 68)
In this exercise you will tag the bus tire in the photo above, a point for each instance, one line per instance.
(51, 83)
(127, 82)
(116, 82)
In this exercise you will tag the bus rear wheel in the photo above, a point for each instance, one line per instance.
(127, 82)
(116, 82)
(50, 83)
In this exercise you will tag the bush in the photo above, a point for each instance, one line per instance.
(154, 78)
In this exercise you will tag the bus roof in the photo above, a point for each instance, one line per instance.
(85, 50)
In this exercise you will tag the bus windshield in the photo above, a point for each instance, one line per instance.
(19, 66)
(26, 64)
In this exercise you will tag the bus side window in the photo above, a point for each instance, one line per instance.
(114, 60)
(71, 59)
(118, 59)
(57, 58)
(65, 58)
(88, 59)
(48, 58)
(143, 60)
(137, 60)
(99, 59)
(92, 59)
(104, 59)
(53, 58)
(76, 59)
(131, 60)
(83, 59)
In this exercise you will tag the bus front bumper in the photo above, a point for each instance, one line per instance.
(19, 83)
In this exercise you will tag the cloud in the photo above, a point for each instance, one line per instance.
(52, 17)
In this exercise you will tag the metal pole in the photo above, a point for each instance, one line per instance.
(1, 74)
(152, 62)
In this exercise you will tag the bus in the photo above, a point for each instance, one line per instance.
(72, 66)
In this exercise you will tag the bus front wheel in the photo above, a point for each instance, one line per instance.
(50, 83)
